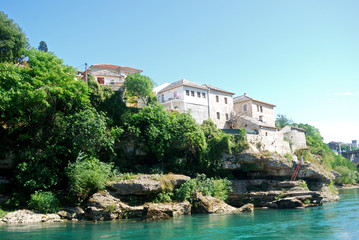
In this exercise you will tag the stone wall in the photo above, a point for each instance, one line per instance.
(224, 109)
(269, 140)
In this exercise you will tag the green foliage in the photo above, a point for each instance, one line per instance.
(164, 197)
(288, 156)
(12, 40)
(279, 196)
(88, 175)
(42, 46)
(347, 176)
(332, 188)
(139, 86)
(303, 185)
(281, 121)
(111, 208)
(207, 186)
(218, 142)
(172, 141)
(44, 202)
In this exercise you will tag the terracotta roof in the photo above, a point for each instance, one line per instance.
(114, 66)
(106, 65)
(244, 98)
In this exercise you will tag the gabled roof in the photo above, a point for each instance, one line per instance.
(217, 89)
(257, 122)
(244, 98)
(183, 82)
(115, 66)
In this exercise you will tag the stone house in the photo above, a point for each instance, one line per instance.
(258, 118)
(203, 101)
(111, 75)
(253, 108)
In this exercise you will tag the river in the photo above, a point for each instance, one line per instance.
(338, 220)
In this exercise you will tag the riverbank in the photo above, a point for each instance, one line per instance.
(159, 197)
(339, 219)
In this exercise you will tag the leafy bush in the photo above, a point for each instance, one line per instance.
(348, 176)
(88, 175)
(207, 186)
(45, 202)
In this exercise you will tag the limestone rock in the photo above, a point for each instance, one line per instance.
(104, 206)
(289, 202)
(27, 216)
(172, 209)
(147, 184)
(271, 165)
(154, 214)
(249, 207)
(72, 213)
(209, 204)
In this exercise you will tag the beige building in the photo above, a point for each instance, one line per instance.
(253, 108)
(202, 101)
(111, 75)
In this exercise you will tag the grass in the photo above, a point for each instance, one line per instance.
(2, 212)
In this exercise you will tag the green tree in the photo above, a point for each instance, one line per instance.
(139, 86)
(12, 40)
(37, 103)
(281, 121)
(42, 46)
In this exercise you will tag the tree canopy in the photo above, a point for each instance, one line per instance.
(43, 46)
(139, 86)
(12, 40)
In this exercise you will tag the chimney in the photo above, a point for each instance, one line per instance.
(245, 94)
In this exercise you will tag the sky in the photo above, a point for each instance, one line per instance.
(301, 55)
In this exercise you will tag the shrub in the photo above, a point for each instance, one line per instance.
(44, 202)
(217, 188)
(348, 176)
(88, 175)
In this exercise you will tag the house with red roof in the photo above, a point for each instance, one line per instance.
(111, 75)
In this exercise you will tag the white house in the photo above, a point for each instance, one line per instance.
(203, 101)
(112, 75)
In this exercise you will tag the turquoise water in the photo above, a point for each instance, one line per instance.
(339, 220)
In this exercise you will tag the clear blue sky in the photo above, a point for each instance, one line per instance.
(302, 56)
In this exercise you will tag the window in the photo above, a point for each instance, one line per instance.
(261, 108)
(198, 94)
(203, 95)
(257, 108)
(163, 98)
(174, 95)
(226, 116)
(187, 92)
(261, 118)
(101, 80)
(192, 93)
(217, 99)
(245, 108)
(225, 100)
(218, 115)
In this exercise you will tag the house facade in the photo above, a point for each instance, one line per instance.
(253, 108)
(203, 101)
(111, 75)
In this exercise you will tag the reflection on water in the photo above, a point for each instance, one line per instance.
(337, 220)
